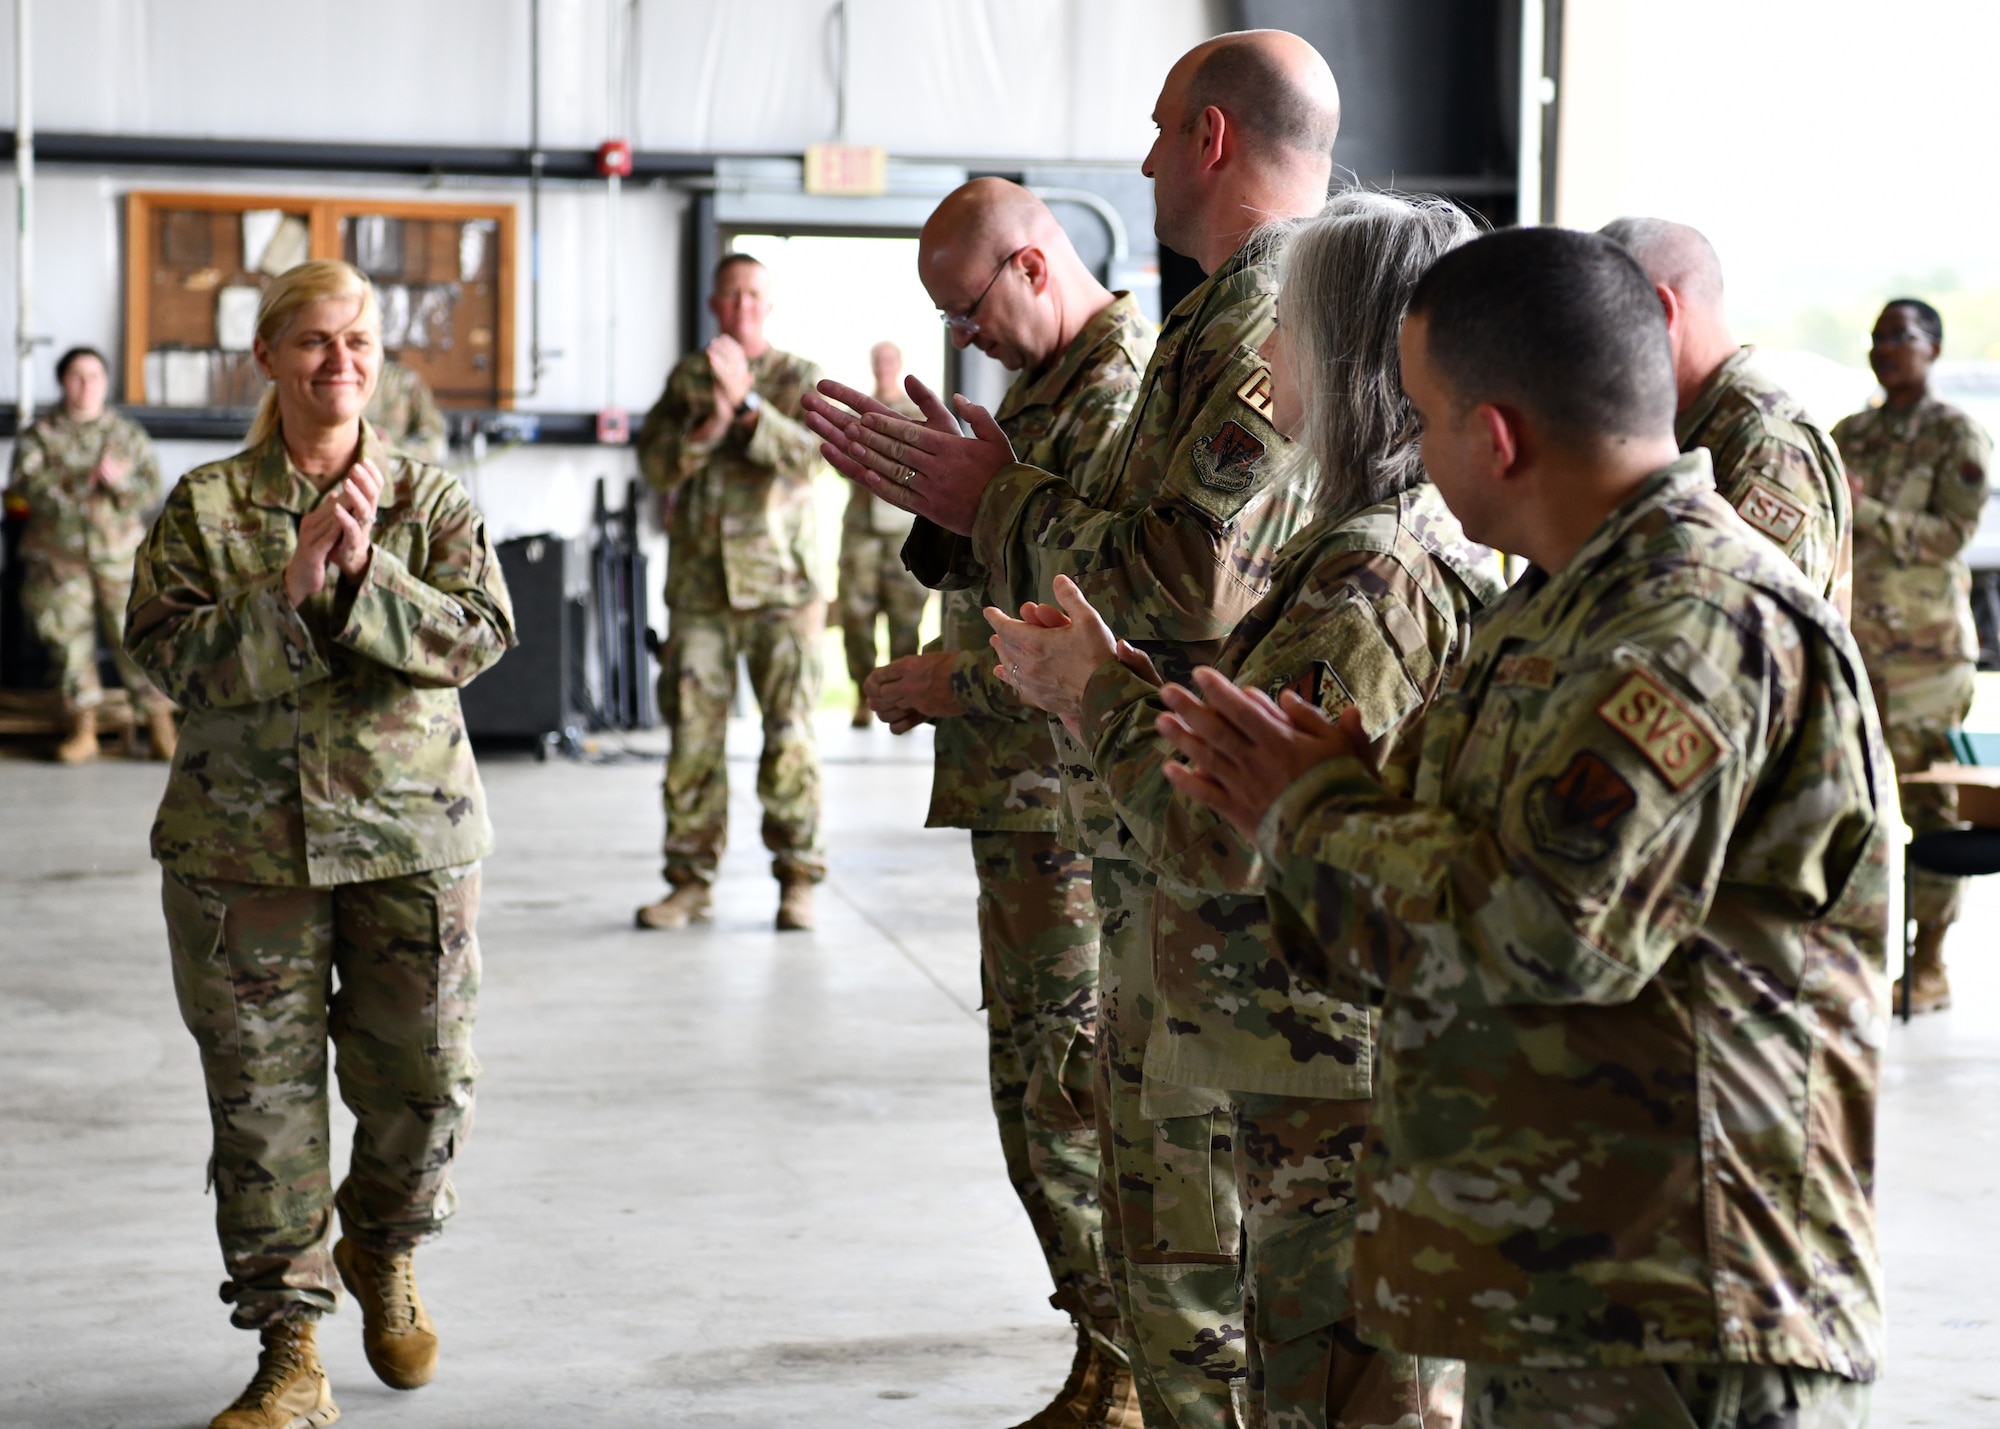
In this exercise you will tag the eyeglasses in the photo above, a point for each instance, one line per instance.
(964, 324)
(1900, 337)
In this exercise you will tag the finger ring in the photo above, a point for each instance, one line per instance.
(907, 477)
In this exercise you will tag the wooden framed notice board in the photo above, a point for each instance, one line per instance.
(197, 263)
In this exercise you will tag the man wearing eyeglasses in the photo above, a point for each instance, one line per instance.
(1196, 498)
(1008, 282)
(1782, 474)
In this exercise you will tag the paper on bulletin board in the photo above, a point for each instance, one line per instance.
(289, 246)
(236, 317)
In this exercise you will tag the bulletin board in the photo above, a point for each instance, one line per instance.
(196, 264)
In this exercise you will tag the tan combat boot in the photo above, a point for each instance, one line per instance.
(1116, 1405)
(1930, 989)
(289, 1390)
(80, 747)
(397, 1334)
(1078, 1393)
(688, 903)
(795, 905)
(162, 733)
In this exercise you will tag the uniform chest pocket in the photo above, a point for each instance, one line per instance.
(402, 534)
(1479, 767)
(253, 549)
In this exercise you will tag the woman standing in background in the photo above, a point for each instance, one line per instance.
(1918, 471)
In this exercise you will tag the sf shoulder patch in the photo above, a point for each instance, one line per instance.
(1256, 393)
(1574, 814)
(1771, 514)
(1226, 460)
(1662, 728)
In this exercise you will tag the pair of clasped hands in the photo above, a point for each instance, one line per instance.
(1239, 748)
(337, 533)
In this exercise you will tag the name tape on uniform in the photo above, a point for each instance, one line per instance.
(1662, 728)
(1768, 512)
(1256, 393)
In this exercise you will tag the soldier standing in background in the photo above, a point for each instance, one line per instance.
(406, 414)
(1781, 473)
(1198, 495)
(725, 443)
(1919, 472)
(1628, 923)
(314, 602)
(1007, 280)
(90, 480)
(873, 580)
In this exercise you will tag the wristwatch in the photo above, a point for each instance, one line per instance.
(749, 404)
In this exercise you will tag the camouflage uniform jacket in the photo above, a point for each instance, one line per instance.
(1925, 473)
(1630, 926)
(71, 521)
(996, 766)
(742, 535)
(1369, 608)
(323, 744)
(1781, 473)
(1199, 492)
(406, 414)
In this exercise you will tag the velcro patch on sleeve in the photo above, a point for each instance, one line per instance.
(1535, 671)
(1256, 393)
(1226, 460)
(1575, 814)
(1771, 514)
(1662, 728)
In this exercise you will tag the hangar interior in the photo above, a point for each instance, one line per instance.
(729, 1175)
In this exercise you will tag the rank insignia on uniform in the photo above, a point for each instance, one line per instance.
(1256, 393)
(1227, 459)
(1572, 814)
(1662, 728)
(1768, 512)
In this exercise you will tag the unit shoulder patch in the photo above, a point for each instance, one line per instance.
(1256, 393)
(1572, 815)
(1661, 727)
(1771, 514)
(1226, 460)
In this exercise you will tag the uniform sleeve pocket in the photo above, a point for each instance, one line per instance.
(203, 985)
(457, 961)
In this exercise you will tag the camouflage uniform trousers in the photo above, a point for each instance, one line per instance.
(697, 683)
(1917, 739)
(1663, 1396)
(1295, 1167)
(1172, 1225)
(1038, 956)
(874, 583)
(68, 605)
(255, 969)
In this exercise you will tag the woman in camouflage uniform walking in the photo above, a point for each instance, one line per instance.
(314, 602)
(1918, 470)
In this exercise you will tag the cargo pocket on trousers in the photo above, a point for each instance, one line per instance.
(1300, 1276)
(457, 999)
(203, 985)
(1059, 1084)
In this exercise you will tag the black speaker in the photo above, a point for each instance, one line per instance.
(537, 691)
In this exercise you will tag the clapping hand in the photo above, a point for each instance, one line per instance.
(336, 532)
(906, 692)
(925, 467)
(1244, 749)
(1050, 653)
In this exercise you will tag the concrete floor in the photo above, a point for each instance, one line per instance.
(719, 1178)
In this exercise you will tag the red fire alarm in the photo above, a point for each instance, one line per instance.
(614, 157)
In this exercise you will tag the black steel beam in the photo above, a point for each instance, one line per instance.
(228, 424)
(173, 152)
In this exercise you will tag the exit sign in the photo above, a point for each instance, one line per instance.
(846, 169)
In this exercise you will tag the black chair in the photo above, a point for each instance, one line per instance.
(1956, 853)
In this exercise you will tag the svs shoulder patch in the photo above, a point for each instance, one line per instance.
(1227, 459)
(1662, 728)
(1574, 814)
(1256, 393)
(1771, 514)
